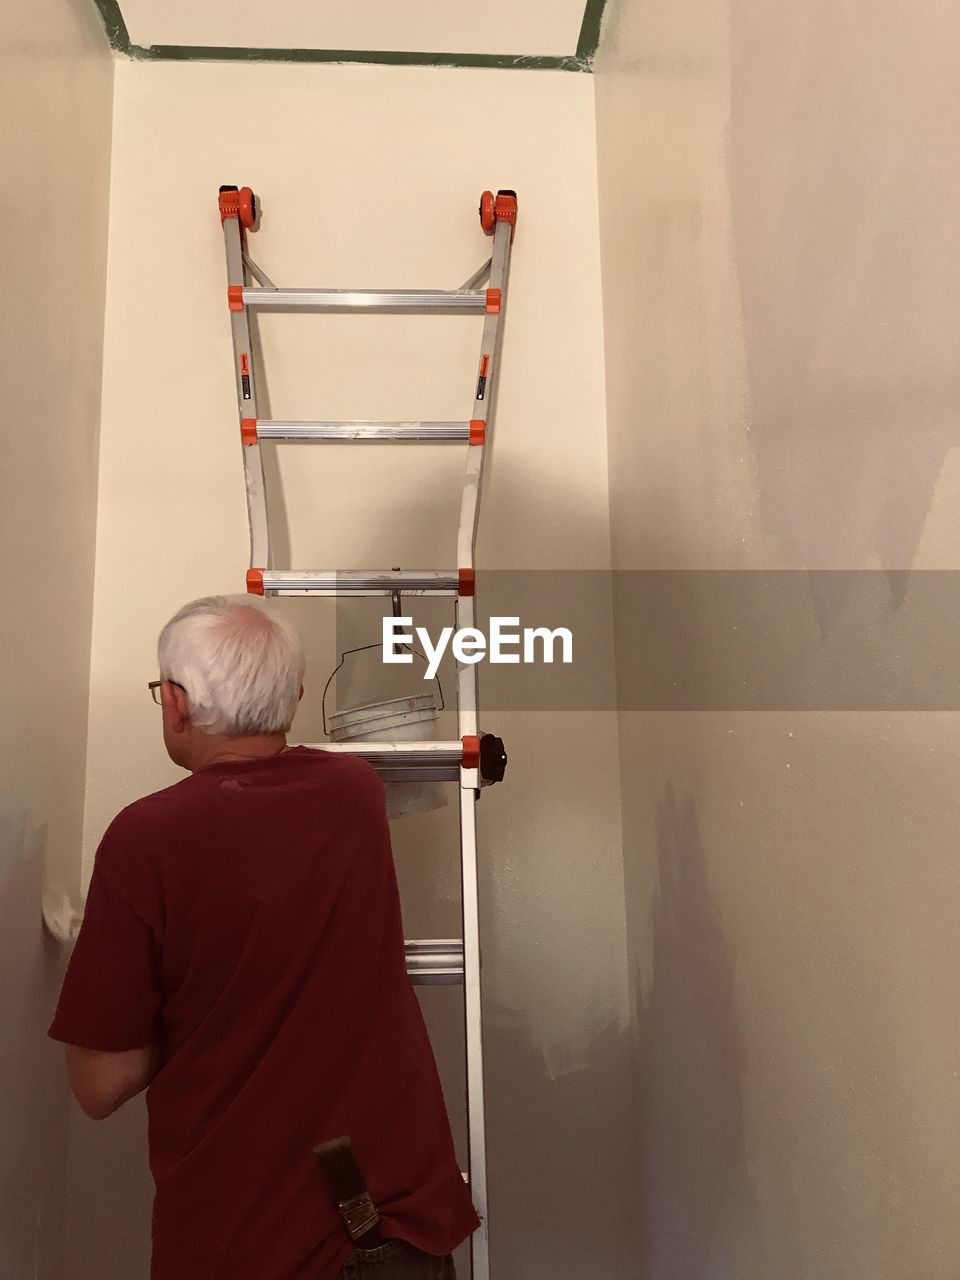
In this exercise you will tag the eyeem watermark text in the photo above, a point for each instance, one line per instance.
(506, 643)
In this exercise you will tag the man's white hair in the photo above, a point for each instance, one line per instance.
(239, 662)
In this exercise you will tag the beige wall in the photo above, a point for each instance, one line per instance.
(778, 188)
(370, 177)
(55, 91)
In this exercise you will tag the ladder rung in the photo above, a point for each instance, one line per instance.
(435, 961)
(405, 761)
(394, 431)
(428, 761)
(340, 582)
(472, 300)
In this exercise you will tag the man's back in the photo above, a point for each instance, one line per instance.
(249, 920)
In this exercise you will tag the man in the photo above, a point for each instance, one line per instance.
(241, 957)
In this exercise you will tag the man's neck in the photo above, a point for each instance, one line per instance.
(226, 750)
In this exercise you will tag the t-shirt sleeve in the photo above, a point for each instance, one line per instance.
(111, 992)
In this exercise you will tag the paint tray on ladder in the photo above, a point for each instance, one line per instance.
(412, 719)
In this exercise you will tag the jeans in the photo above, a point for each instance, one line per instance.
(397, 1260)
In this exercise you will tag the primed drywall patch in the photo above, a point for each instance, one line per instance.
(843, 187)
(780, 297)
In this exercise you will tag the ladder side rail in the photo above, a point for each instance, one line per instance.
(482, 410)
(482, 414)
(473, 1032)
(465, 615)
(468, 722)
(243, 370)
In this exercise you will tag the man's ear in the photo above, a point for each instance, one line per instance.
(175, 700)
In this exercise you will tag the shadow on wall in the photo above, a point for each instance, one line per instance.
(110, 1196)
(562, 1191)
(33, 1085)
(697, 1206)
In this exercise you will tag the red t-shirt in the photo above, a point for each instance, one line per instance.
(247, 919)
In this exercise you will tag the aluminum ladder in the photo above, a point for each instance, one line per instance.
(473, 760)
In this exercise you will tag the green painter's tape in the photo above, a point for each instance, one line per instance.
(582, 60)
(590, 32)
(114, 25)
(393, 58)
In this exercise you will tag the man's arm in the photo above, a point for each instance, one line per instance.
(103, 1082)
(108, 1014)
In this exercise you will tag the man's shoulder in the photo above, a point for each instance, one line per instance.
(155, 805)
(137, 822)
(143, 823)
(172, 802)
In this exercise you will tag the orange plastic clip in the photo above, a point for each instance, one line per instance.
(255, 582)
(248, 430)
(229, 204)
(478, 430)
(505, 210)
(246, 207)
(471, 751)
(493, 302)
(240, 204)
(467, 582)
(488, 215)
(235, 297)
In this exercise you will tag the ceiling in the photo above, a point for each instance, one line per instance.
(509, 33)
